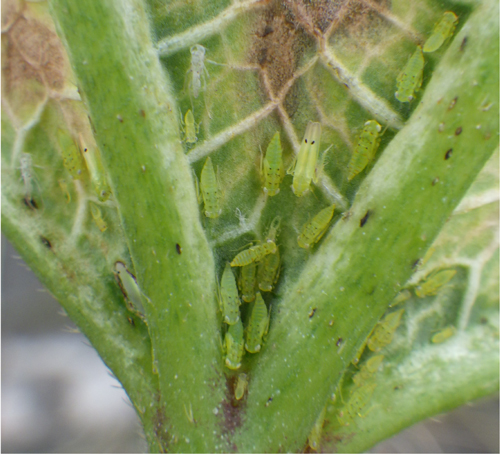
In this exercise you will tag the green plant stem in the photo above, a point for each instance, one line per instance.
(93, 306)
(134, 114)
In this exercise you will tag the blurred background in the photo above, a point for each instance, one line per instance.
(58, 396)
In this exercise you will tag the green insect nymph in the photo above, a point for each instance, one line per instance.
(247, 282)
(210, 190)
(433, 283)
(189, 128)
(316, 227)
(229, 301)
(272, 168)
(131, 291)
(96, 169)
(383, 332)
(258, 325)
(442, 31)
(241, 386)
(304, 167)
(234, 346)
(444, 335)
(72, 158)
(255, 253)
(410, 79)
(97, 216)
(365, 149)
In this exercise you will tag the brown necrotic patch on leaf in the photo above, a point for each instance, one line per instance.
(11, 10)
(319, 13)
(41, 48)
(232, 408)
(356, 18)
(275, 47)
(23, 87)
(31, 39)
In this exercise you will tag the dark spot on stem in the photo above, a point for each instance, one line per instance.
(416, 263)
(364, 219)
(131, 321)
(464, 43)
(178, 248)
(91, 124)
(339, 342)
(453, 102)
(458, 131)
(269, 401)
(448, 154)
(435, 181)
(311, 314)
(143, 113)
(46, 242)
(30, 203)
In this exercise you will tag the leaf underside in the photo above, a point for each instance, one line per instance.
(119, 74)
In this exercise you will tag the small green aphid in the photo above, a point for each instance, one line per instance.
(258, 325)
(443, 335)
(401, 297)
(359, 353)
(434, 282)
(131, 291)
(442, 31)
(97, 216)
(368, 370)
(383, 332)
(254, 253)
(234, 346)
(269, 265)
(247, 282)
(96, 170)
(272, 167)
(64, 188)
(72, 158)
(410, 79)
(304, 166)
(316, 227)
(315, 436)
(366, 148)
(428, 255)
(268, 272)
(210, 190)
(359, 399)
(241, 386)
(189, 127)
(229, 301)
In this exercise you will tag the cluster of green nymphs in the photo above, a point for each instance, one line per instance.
(259, 270)
(82, 161)
(363, 381)
(410, 79)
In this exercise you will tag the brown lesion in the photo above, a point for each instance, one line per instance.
(34, 63)
(287, 29)
(276, 47)
(11, 10)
